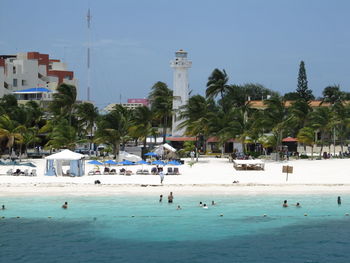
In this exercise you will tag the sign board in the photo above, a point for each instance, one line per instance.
(287, 169)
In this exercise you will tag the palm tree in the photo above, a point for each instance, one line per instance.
(87, 115)
(275, 118)
(113, 128)
(10, 131)
(142, 118)
(64, 101)
(63, 135)
(320, 120)
(217, 84)
(306, 136)
(161, 98)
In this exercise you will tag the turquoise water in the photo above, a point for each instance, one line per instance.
(140, 229)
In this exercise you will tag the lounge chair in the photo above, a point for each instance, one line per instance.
(26, 173)
(176, 171)
(9, 172)
(112, 171)
(128, 172)
(169, 171)
(33, 172)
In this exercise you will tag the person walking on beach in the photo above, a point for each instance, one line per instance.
(65, 205)
(285, 203)
(161, 175)
(170, 197)
(160, 198)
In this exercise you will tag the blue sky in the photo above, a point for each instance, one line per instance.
(255, 41)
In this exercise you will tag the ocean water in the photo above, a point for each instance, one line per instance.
(140, 229)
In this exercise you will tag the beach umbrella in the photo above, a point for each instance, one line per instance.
(151, 154)
(142, 162)
(173, 162)
(158, 162)
(95, 162)
(110, 162)
(28, 164)
(126, 162)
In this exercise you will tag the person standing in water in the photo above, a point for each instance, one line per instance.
(160, 198)
(285, 203)
(339, 200)
(65, 205)
(3, 207)
(170, 197)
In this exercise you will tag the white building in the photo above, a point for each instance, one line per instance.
(180, 87)
(32, 76)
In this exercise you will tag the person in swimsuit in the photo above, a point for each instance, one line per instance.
(285, 203)
(65, 205)
(170, 197)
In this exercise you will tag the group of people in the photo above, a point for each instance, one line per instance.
(170, 198)
(285, 204)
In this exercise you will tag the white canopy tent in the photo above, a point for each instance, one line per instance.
(129, 157)
(55, 162)
(165, 150)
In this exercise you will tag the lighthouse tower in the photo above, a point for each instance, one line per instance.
(180, 86)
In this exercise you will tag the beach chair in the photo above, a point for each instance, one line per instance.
(139, 171)
(33, 172)
(9, 172)
(176, 171)
(128, 172)
(112, 171)
(145, 171)
(26, 173)
(169, 171)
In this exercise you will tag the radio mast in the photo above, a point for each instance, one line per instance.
(88, 18)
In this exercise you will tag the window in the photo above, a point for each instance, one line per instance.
(14, 69)
(15, 82)
(24, 82)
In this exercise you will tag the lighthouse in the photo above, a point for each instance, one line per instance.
(180, 88)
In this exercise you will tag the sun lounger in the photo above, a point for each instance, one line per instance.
(112, 171)
(26, 173)
(140, 171)
(169, 171)
(9, 172)
(176, 171)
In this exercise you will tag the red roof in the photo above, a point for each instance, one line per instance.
(289, 139)
(215, 139)
(180, 139)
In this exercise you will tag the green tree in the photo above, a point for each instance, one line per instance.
(302, 89)
(64, 101)
(306, 136)
(10, 131)
(217, 84)
(112, 129)
(161, 98)
(142, 118)
(333, 95)
(63, 135)
(87, 115)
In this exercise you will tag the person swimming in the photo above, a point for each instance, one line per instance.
(65, 205)
(160, 198)
(200, 204)
(178, 207)
(205, 206)
(298, 205)
(213, 203)
(285, 203)
(170, 197)
(339, 200)
(3, 207)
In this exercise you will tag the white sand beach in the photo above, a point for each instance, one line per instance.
(211, 176)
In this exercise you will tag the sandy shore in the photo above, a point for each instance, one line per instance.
(210, 176)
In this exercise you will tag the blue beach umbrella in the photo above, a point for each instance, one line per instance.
(151, 154)
(142, 162)
(174, 163)
(110, 162)
(95, 162)
(158, 162)
(126, 162)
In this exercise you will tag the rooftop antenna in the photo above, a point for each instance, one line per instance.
(88, 18)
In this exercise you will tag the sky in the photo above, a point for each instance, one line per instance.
(133, 41)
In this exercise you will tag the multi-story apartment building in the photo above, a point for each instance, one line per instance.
(32, 76)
